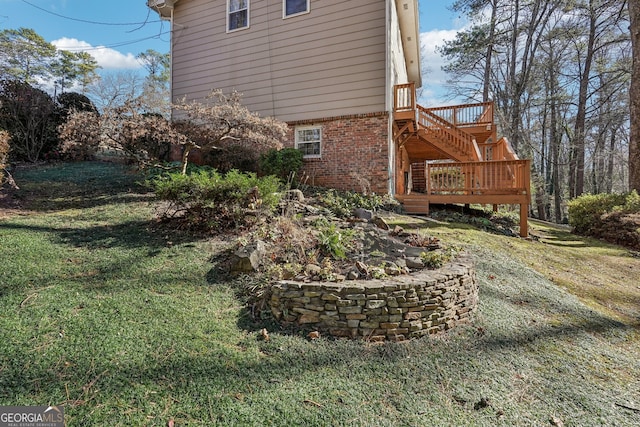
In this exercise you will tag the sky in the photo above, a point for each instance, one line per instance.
(115, 31)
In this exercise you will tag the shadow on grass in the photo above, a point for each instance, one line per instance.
(81, 185)
(547, 319)
(564, 238)
(131, 234)
(225, 372)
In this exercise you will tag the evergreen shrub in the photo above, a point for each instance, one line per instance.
(207, 199)
(283, 163)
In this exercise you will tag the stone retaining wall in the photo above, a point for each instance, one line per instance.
(396, 308)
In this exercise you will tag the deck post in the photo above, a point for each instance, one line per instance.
(524, 214)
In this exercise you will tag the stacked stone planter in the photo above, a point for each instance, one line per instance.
(397, 308)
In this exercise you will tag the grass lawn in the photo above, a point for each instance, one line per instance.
(127, 325)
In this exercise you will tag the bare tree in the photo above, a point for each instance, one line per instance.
(222, 119)
(634, 93)
(144, 137)
(114, 89)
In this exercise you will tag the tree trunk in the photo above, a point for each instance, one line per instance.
(487, 65)
(634, 93)
(576, 161)
(611, 156)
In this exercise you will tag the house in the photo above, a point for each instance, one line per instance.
(343, 75)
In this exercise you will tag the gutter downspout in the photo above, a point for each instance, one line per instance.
(391, 166)
(172, 39)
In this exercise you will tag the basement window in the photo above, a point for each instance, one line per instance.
(294, 7)
(308, 140)
(237, 14)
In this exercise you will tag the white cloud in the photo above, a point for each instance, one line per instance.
(434, 78)
(108, 59)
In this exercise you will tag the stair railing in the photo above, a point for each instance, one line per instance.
(466, 115)
(457, 138)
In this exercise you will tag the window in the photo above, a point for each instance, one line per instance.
(308, 140)
(237, 14)
(294, 7)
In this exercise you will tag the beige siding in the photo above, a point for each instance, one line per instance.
(329, 62)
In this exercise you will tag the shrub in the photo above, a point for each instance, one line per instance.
(284, 163)
(342, 203)
(29, 115)
(73, 101)
(232, 156)
(80, 139)
(436, 259)
(631, 203)
(585, 212)
(611, 217)
(209, 200)
(334, 241)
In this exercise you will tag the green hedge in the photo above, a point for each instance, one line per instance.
(284, 163)
(586, 212)
(209, 199)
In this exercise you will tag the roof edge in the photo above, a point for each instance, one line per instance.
(408, 15)
(162, 7)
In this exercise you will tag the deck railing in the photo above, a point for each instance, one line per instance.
(404, 97)
(466, 115)
(500, 150)
(493, 177)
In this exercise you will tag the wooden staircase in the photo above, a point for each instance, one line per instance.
(452, 155)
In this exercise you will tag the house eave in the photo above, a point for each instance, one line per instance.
(410, 30)
(162, 7)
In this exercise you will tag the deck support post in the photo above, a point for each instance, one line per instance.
(495, 208)
(524, 214)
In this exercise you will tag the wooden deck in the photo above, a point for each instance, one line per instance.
(452, 155)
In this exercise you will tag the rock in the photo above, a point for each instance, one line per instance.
(397, 230)
(295, 195)
(248, 258)
(380, 223)
(362, 268)
(392, 269)
(353, 274)
(414, 262)
(401, 263)
(311, 209)
(377, 272)
(313, 270)
(363, 214)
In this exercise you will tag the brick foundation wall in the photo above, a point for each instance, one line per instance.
(354, 153)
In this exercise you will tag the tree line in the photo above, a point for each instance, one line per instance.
(120, 113)
(41, 85)
(559, 72)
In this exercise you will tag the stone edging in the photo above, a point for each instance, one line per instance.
(396, 309)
